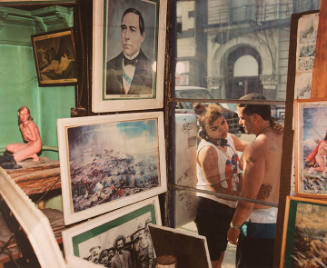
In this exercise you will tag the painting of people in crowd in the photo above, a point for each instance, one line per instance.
(117, 239)
(110, 162)
(312, 149)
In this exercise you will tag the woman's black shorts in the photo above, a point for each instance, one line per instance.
(213, 220)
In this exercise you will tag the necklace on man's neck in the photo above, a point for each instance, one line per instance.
(263, 130)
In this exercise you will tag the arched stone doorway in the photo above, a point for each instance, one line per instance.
(244, 67)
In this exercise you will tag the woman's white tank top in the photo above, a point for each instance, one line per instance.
(229, 171)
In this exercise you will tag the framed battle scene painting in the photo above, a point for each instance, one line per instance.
(55, 58)
(123, 231)
(311, 149)
(128, 55)
(110, 161)
(304, 239)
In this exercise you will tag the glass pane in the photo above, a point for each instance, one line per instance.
(232, 47)
(226, 49)
(187, 138)
(187, 147)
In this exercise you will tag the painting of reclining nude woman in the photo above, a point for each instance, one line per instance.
(55, 58)
(110, 161)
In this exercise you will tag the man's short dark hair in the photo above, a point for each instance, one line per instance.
(120, 237)
(261, 109)
(104, 253)
(93, 248)
(135, 11)
(111, 249)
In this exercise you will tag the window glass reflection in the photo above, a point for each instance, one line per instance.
(233, 47)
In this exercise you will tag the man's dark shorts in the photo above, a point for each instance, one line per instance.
(255, 247)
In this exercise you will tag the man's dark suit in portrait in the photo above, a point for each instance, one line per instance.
(131, 71)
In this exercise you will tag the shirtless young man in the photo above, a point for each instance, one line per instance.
(32, 141)
(260, 181)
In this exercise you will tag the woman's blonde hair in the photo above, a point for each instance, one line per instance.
(23, 108)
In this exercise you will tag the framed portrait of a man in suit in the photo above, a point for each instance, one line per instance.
(128, 54)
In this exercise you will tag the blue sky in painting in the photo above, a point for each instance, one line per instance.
(129, 137)
(134, 129)
(314, 122)
(313, 126)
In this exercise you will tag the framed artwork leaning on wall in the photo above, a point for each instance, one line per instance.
(305, 233)
(110, 161)
(311, 148)
(182, 245)
(55, 58)
(305, 51)
(128, 54)
(124, 230)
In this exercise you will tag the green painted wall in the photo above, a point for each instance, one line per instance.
(17, 87)
(18, 78)
(55, 102)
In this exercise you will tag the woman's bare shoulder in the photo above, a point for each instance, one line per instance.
(207, 152)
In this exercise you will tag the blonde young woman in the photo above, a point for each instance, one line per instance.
(31, 146)
(217, 171)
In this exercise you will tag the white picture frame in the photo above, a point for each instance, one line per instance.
(107, 45)
(34, 223)
(110, 161)
(101, 232)
(305, 51)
